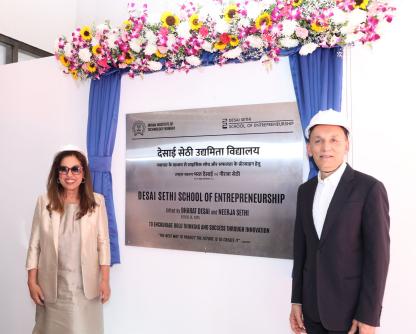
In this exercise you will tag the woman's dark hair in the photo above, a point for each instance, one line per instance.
(56, 191)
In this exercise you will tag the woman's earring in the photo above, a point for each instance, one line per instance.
(83, 180)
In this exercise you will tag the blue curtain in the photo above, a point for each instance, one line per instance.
(103, 109)
(317, 79)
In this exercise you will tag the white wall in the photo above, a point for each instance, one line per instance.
(37, 23)
(40, 110)
(384, 118)
(116, 11)
(162, 291)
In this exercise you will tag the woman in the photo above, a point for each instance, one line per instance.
(69, 253)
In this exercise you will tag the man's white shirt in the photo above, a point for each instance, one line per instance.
(323, 195)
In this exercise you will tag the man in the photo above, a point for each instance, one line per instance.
(341, 241)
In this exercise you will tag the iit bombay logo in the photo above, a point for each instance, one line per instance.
(224, 123)
(138, 128)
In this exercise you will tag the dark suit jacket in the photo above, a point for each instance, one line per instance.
(342, 276)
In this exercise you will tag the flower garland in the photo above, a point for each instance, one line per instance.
(219, 33)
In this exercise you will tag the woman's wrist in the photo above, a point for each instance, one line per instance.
(105, 274)
(32, 277)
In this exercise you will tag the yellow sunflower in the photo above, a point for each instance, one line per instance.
(297, 3)
(319, 26)
(127, 24)
(234, 41)
(169, 20)
(129, 58)
(97, 50)
(74, 74)
(263, 19)
(86, 33)
(220, 45)
(230, 13)
(91, 67)
(160, 54)
(361, 4)
(194, 22)
(63, 60)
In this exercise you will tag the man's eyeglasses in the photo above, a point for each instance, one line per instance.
(76, 170)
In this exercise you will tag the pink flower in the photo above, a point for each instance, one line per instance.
(124, 47)
(162, 49)
(301, 32)
(164, 31)
(204, 31)
(103, 63)
(267, 37)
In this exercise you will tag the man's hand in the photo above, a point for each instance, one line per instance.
(362, 328)
(296, 319)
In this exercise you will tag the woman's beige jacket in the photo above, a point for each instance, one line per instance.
(43, 247)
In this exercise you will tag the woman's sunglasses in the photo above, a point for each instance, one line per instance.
(76, 170)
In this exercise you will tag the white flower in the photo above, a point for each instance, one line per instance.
(255, 42)
(136, 45)
(354, 19)
(101, 28)
(334, 40)
(244, 22)
(357, 16)
(253, 10)
(233, 53)
(354, 37)
(193, 60)
(207, 46)
(307, 48)
(84, 54)
(111, 41)
(68, 50)
(171, 40)
(150, 49)
(154, 65)
(347, 29)
(222, 26)
(339, 16)
(210, 9)
(289, 42)
(57, 45)
(94, 41)
(289, 27)
(151, 37)
(184, 30)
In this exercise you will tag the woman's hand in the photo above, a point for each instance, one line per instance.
(35, 291)
(105, 291)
